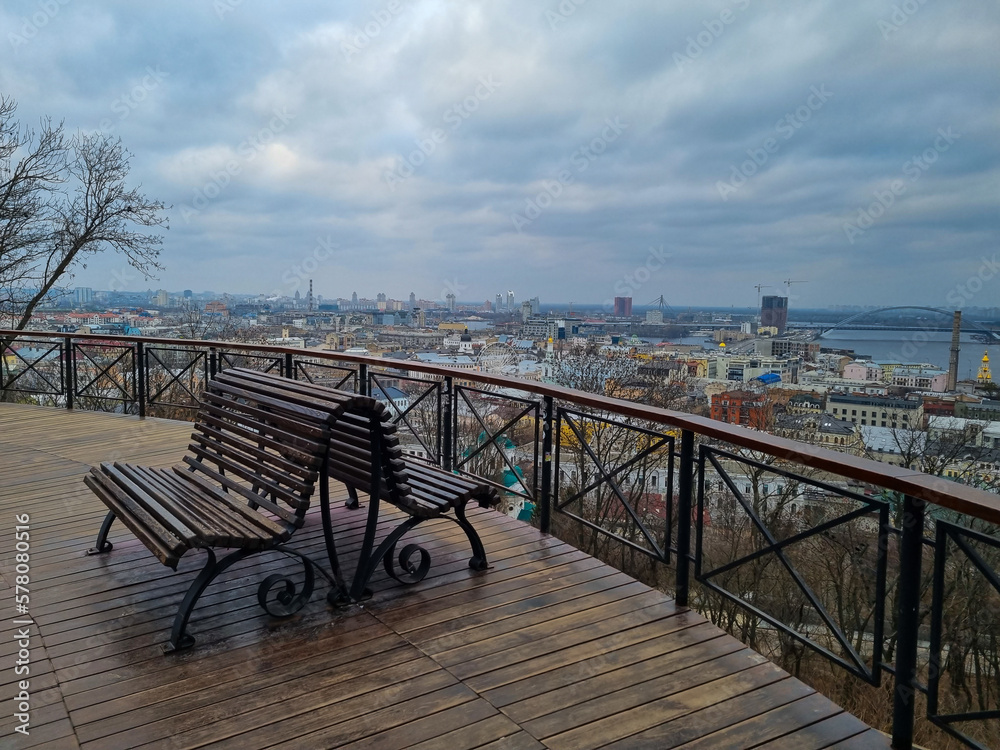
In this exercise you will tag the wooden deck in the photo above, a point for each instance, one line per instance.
(548, 648)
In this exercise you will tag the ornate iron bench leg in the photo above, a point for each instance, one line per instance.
(353, 503)
(103, 545)
(180, 640)
(478, 559)
(369, 560)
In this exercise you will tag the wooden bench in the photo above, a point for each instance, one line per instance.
(421, 491)
(257, 452)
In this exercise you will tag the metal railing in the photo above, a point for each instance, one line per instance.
(748, 516)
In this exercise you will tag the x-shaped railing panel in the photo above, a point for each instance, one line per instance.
(12, 378)
(489, 438)
(972, 561)
(648, 443)
(110, 373)
(377, 385)
(262, 363)
(852, 661)
(174, 375)
(328, 376)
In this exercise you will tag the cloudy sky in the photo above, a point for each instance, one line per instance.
(572, 149)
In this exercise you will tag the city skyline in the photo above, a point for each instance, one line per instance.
(590, 151)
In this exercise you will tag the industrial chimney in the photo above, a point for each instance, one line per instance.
(956, 335)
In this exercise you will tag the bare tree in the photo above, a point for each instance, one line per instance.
(63, 199)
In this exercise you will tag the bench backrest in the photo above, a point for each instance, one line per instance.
(263, 448)
(362, 437)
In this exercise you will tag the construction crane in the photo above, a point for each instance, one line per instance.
(789, 282)
(758, 287)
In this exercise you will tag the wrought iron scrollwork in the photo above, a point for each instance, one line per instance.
(288, 600)
(409, 572)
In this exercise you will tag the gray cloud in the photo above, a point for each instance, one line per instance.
(368, 85)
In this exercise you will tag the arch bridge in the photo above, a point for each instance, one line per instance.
(970, 326)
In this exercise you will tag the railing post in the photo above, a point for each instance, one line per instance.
(911, 548)
(545, 517)
(140, 377)
(447, 456)
(363, 388)
(70, 373)
(685, 502)
(213, 363)
(289, 371)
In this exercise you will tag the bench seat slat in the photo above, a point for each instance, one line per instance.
(168, 497)
(188, 474)
(166, 546)
(152, 505)
(226, 529)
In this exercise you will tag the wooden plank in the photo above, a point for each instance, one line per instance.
(569, 649)
(562, 716)
(870, 740)
(629, 728)
(817, 736)
(496, 732)
(726, 708)
(633, 670)
(774, 723)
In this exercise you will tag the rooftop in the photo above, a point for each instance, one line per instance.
(548, 648)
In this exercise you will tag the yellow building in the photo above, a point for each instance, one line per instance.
(984, 375)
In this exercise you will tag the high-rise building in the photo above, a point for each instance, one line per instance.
(654, 317)
(774, 312)
(413, 300)
(162, 298)
(499, 304)
(83, 295)
(536, 306)
(525, 311)
(451, 302)
(510, 300)
(623, 307)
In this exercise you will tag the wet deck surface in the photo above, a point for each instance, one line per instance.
(548, 648)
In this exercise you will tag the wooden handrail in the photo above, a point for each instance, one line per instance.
(938, 490)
